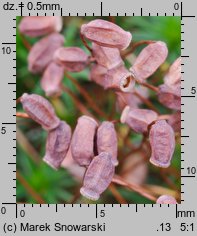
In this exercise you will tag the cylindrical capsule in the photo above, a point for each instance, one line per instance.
(107, 140)
(58, 141)
(73, 59)
(130, 99)
(107, 57)
(149, 60)
(75, 170)
(166, 199)
(162, 143)
(138, 119)
(41, 54)
(125, 99)
(52, 78)
(173, 77)
(170, 97)
(175, 121)
(34, 26)
(98, 176)
(106, 34)
(119, 79)
(82, 144)
(40, 110)
(98, 75)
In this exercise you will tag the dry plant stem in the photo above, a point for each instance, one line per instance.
(116, 194)
(160, 190)
(168, 180)
(18, 100)
(136, 149)
(29, 189)
(115, 121)
(129, 144)
(75, 197)
(147, 102)
(25, 42)
(151, 87)
(85, 43)
(112, 112)
(172, 171)
(22, 115)
(86, 96)
(140, 149)
(134, 46)
(27, 147)
(112, 19)
(156, 80)
(136, 188)
(79, 105)
(141, 161)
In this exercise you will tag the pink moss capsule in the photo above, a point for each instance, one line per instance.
(173, 77)
(98, 176)
(97, 74)
(107, 57)
(40, 110)
(119, 79)
(130, 99)
(170, 97)
(58, 142)
(175, 121)
(149, 60)
(124, 99)
(75, 170)
(41, 54)
(106, 34)
(166, 199)
(162, 143)
(52, 78)
(107, 140)
(138, 119)
(34, 26)
(73, 59)
(82, 144)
